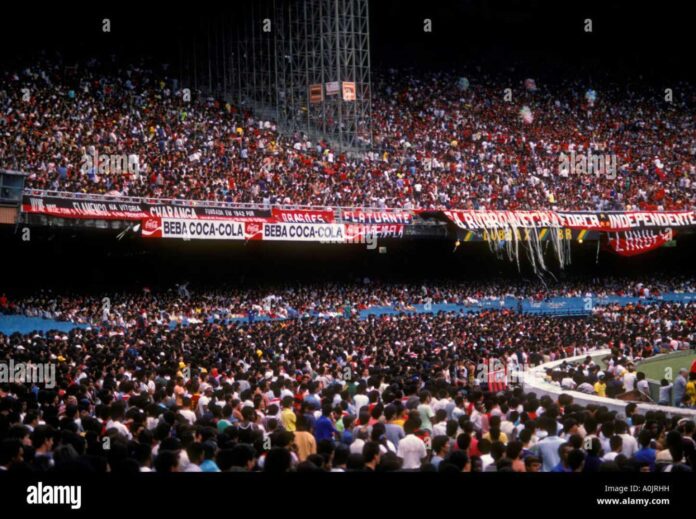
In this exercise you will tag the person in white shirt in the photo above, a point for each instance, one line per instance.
(117, 412)
(486, 457)
(186, 412)
(507, 425)
(361, 436)
(459, 406)
(203, 401)
(630, 444)
(360, 399)
(642, 384)
(411, 448)
(568, 383)
(440, 425)
(476, 418)
(629, 379)
(195, 457)
(665, 392)
(616, 446)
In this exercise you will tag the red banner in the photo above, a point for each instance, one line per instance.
(111, 208)
(472, 220)
(377, 217)
(151, 228)
(632, 243)
(303, 216)
(98, 210)
(358, 233)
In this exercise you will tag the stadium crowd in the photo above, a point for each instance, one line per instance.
(438, 142)
(188, 380)
(403, 392)
(181, 305)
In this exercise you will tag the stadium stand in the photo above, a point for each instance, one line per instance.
(478, 151)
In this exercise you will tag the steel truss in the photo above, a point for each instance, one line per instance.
(273, 52)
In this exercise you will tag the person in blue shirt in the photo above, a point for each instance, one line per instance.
(440, 450)
(308, 409)
(209, 451)
(593, 461)
(575, 461)
(312, 398)
(679, 389)
(394, 431)
(347, 436)
(645, 454)
(549, 447)
(324, 427)
(562, 466)
(630, 410)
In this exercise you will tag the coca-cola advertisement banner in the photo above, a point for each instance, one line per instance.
(201, 229)
(198, 229)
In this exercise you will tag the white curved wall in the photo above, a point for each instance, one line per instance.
(533, 381)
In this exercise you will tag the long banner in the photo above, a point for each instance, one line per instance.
(200, 229)
(110, 208)
(608, 222)
(105, 209)
(197, 229)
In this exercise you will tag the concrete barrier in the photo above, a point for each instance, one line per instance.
(533, 382)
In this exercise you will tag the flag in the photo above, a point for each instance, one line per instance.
(497, 375)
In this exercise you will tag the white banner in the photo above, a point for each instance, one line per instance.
(333, 232)
(202, 229)
(332, 88)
